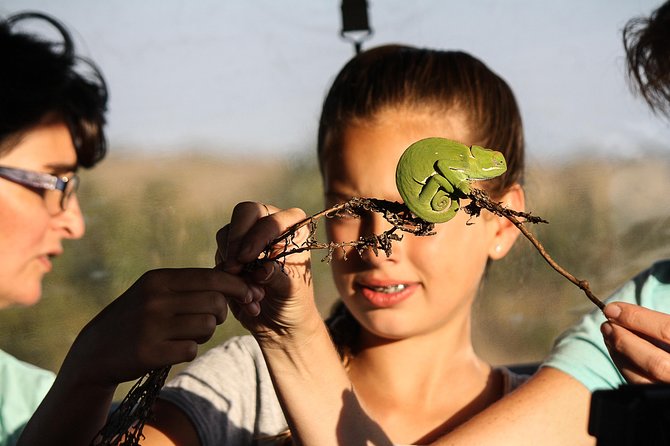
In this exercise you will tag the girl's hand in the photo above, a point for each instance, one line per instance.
(638, 340)
(158, 321)
(283, 305)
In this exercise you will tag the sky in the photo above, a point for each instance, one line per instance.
(248, 76)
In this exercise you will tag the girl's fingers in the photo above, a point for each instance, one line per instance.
(245, 216)
(252, 308)
(269, 275)
(252, 227)
(266, 230)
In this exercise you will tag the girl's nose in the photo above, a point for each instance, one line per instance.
(374, 224)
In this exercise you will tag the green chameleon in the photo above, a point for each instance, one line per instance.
(434, 173)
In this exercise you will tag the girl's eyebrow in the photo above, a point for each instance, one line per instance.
(338, 196)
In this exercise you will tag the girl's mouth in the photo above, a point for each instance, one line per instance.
(383, 296)
(388, 289)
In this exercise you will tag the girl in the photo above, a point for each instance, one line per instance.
(403, 322)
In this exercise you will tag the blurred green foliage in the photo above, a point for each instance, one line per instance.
(164, 212)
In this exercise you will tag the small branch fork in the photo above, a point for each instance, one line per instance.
(127, 421)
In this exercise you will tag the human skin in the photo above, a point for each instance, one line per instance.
(31, 235)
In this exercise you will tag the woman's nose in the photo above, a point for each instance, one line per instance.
(71, 220)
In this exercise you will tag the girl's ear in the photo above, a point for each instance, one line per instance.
(506, 232)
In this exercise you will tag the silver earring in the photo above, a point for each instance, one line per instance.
(498, 248)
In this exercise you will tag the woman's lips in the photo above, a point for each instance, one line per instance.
(46, 262)
(386, 295)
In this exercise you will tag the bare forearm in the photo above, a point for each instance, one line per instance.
(317, 396)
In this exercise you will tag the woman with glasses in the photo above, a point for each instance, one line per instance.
(38, 208)
(52, 114)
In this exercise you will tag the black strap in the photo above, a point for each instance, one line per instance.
(355, 26)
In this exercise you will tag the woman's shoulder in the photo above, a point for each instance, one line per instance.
(15, 369)
(22, 388)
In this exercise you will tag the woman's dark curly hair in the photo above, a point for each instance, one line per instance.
(647, 44)
(43, 81)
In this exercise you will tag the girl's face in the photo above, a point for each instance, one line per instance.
(30, 232)
(428, 283)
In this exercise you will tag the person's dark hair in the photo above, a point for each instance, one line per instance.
(647, 44)
(396, 76)
(43, 82)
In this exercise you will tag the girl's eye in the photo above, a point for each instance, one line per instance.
(344, 215)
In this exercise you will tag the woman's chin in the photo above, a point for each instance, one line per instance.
(24, 298)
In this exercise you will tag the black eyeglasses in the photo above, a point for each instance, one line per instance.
(67, 186)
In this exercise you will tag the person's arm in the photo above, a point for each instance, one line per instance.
(313, 388)
(158, 322)
(552, 408)
(319, 403)
(638, 340)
